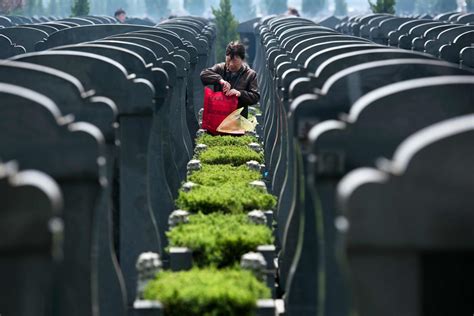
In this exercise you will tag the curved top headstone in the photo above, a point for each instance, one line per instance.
(131, 95)
(25, 113)
(25, 36)
(32, 201)
(86, 33)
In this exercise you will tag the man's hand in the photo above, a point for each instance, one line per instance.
(233, 92)
(225, 86)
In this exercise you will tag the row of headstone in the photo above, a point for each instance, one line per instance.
(333, 103)
(23, 33)
(109, 112)
(16, 20)
(12, 20)
(448, 36)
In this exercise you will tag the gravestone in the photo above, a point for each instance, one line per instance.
(8, 49)
(30, 247)
(25, 36)
(67, 92)
(70, 153)
(404, 238)
(134, 100)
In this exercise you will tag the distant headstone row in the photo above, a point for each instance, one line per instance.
(370, 149)
(448, 36)
(19, 34)
(107, 114)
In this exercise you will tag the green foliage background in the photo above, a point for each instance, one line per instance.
(226, 27)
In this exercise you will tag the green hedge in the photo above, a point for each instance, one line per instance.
(233, 155)
(207, 292)
(216, 175)
(229, 197)
(219, 240)
(212, 141)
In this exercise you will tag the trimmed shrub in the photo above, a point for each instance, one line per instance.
(229, 197)
(212, 141)
(219, 240)
(216, 175)
(207, 292)
(233, 155)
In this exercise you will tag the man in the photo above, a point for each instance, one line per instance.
(120, 15)
(234, 77)
(292, 11)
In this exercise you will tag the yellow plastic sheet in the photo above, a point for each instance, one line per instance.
(236, 124)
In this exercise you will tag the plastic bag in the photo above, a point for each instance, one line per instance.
(236, 124)
(217, 107)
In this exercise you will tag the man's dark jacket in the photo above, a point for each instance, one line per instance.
(245, 81)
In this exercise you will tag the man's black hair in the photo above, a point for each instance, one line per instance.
(119, 11)
(235, 49)
(293, 11)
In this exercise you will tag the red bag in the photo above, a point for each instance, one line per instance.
(217, 106)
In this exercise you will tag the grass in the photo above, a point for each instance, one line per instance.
(233, 155)
(216, 175)
(233, 198)
(207, 292)
(213, 141)
(219, 240)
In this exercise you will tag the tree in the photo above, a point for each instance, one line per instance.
(275, 6)
(243, 9)
(313, 7)
(194, 7)
(80, 8)
(341, 7)
(226, 27)
(157, 8)
(383, 6)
